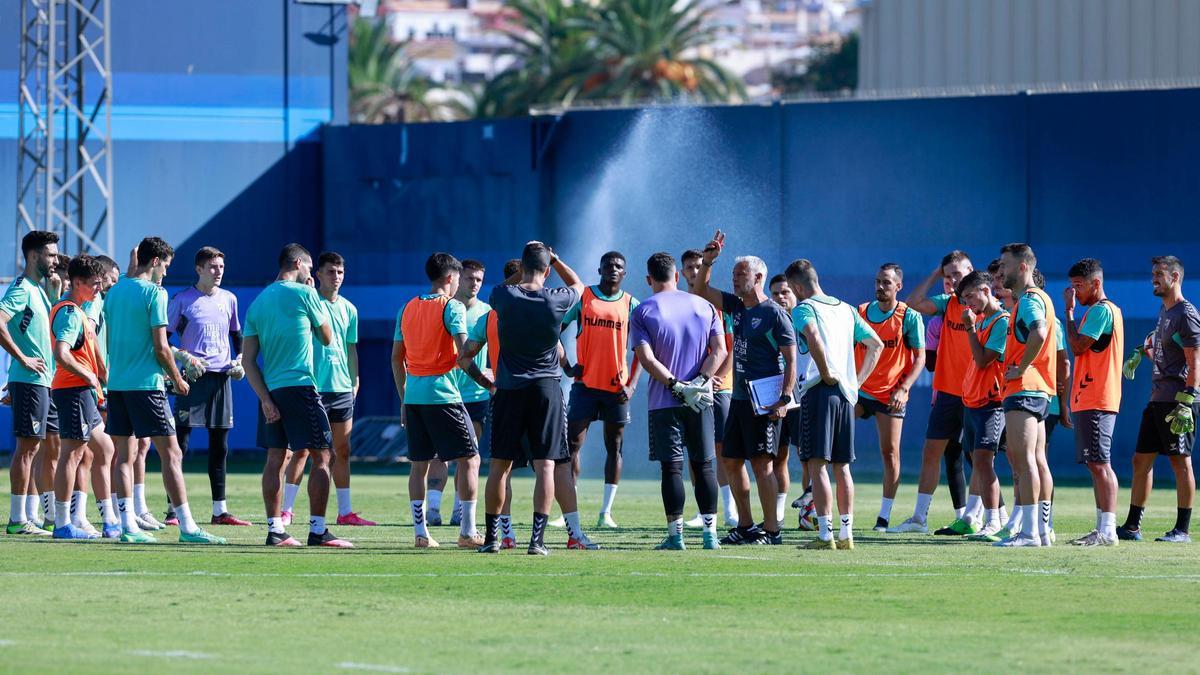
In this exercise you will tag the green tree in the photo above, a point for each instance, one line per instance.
(651, 50)
(830, 69)
(385, 87)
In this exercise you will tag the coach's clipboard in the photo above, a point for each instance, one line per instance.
(765, 392)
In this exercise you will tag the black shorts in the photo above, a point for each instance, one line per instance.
(478, 410)
(789, 430)
(208, 404)
(140, 413)
(590, 405)
(1155, 434)
(52, 418)
(339, 406)
(302, 424)
(748, 435)
(676, 433)
(1037, 406)
(720, 414)
(872, 407)
(78, 412)
(485, 443)
(535, 414)
(440, 431)
(30, 408)
(1052, 420)
(945, 417)
(826, 425)
(1093, 436)
(983, 428)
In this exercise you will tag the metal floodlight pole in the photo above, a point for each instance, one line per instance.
(64, 166)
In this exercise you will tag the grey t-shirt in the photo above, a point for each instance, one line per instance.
(1177, 328)
(528, 325)
(758, 333)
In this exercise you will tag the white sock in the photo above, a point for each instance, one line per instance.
(186, 524)
(1004, 515)
(921, 512)
(466, 517)
(128, 520)
(139, 499)
(1029, 519)
(219, 507)
(974, 504)
(79, 502)
(1098, 512)
(418, 516)
(16, 509)
(62, 514)
(847, 526)
(47, 507)
(1014, 519)
(434, 499)
(275, 525)
(1047, 515)
(826, 527)
(710, 522)
(506, 531)
(343, 500)
(115, 505)
(457, 506)
(675, 527)
(885, 508)
(992, 517)
(573, 526)
(727, 500)
(780, 509)
(289, 496)
(107, 513)
(958, 513)
(1108, 524)
(610, 493)
(316, 524)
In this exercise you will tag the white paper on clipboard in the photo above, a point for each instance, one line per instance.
(765, 392)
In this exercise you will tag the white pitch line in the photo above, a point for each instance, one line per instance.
(350, 665)
(173, 654)
(7, 643)
(543, 575)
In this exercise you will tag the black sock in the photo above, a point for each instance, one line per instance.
(673, 496)
(956, 479)
(539, 528)
(218, 450)
(1134, 520)
(1183, 519)
(492, 522)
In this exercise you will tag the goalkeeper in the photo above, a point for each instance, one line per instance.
(678, 339)
(828, 330)
(1168, 422)
(204, 317)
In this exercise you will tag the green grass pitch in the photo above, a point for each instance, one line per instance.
(895, 604)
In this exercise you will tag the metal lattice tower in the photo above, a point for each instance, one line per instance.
(64, 123)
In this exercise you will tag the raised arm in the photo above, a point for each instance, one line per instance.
(1078, 343)
(919, 298)
(702, 286)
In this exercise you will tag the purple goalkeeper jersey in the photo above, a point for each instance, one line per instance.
(203, 324)
(677, 326)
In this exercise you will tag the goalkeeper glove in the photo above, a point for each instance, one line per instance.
(698, 393)
(1181, 419)
(192, 366)
(1132, 363)
(236, 371)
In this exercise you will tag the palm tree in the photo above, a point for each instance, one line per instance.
(554, 52)
(385, 87)
(652, 50)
